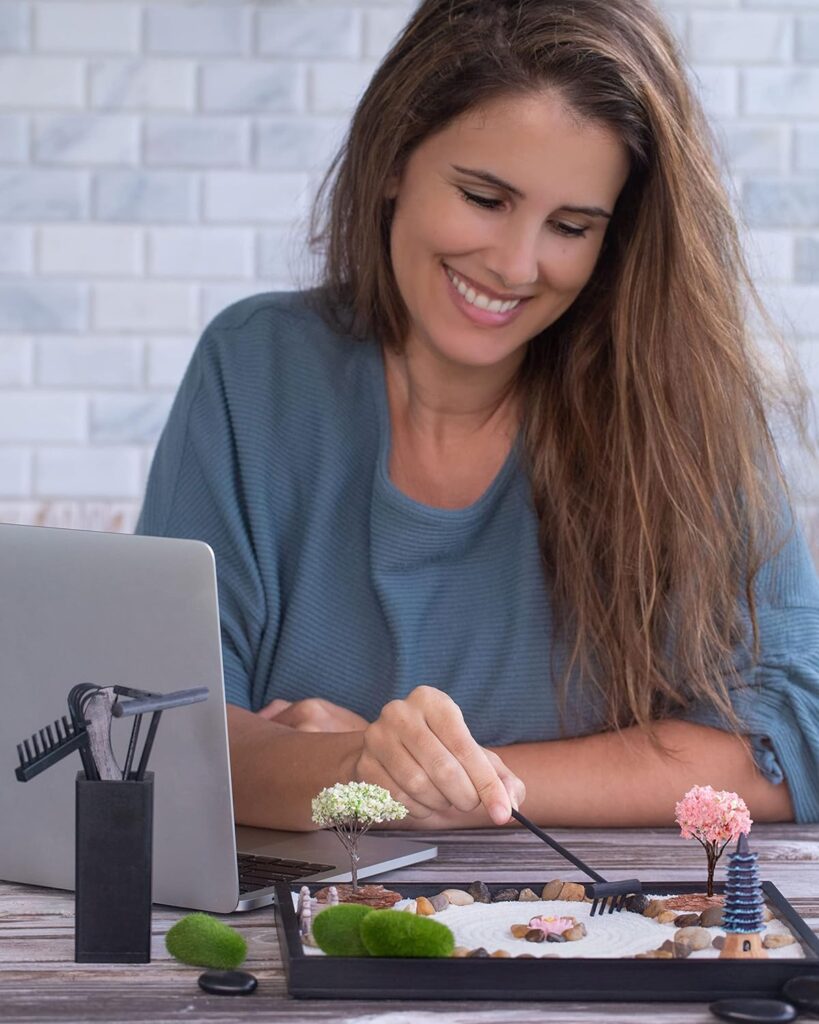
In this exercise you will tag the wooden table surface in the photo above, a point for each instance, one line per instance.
(39, 980)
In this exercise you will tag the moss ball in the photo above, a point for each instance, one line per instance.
(395, 933)
(337, 929)
(202, 941)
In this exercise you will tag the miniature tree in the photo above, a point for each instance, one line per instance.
(714, 818)
(742, 914)
(349, 809)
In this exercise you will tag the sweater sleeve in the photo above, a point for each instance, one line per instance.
(195, 491)
(777, 696)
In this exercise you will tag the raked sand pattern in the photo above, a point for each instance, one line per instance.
(609, 936)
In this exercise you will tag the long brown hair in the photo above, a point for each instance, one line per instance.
(653, 470)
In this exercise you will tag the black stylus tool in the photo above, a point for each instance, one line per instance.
(605, 895)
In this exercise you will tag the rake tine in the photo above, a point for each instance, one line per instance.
(27, 749)
(593, 907)
(50, 735)
(67, 725)
(20, 753)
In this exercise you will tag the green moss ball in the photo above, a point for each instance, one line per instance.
(398, 933)
(337, 929)
(202, 941)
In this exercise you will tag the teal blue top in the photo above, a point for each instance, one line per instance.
(334, 584)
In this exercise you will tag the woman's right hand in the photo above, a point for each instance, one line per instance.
(420, 749)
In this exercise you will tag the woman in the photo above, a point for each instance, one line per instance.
(496, 511)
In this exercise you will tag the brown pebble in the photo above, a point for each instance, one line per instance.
(458, 897)
(460, 951)
(767, 914)
(777, 941)
(535, 935)
(654, 908)
(667, 946)
(505, 895)
(655, 954)
(501, 953)
(578, 931)
(718, 941)
(572, 891)
(526, 956)
(551, 889)
(681, 950)
(424, 907)
(479, 891)
(666, 917)
(687, 920)
(480, 951)
(440, 901)
(711, 918)
(519, 930)
(696, 938)
(554, 937)
(528, 896)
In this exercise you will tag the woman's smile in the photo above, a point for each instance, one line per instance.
(473, 303)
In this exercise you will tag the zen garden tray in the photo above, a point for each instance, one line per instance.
(569, 975)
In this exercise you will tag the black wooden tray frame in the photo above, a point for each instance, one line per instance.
(587, 979)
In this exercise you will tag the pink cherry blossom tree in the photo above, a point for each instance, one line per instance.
(714, 818)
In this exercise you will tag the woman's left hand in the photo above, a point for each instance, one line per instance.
(314, 714)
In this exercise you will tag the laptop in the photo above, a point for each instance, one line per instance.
(117, 609)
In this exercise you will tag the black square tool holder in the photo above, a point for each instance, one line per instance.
(114, 840)
(114, 815)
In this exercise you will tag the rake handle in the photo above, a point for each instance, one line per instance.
(555, 845)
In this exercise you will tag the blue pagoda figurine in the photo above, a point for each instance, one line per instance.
(742, 910)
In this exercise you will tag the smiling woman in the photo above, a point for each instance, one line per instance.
(495, 506)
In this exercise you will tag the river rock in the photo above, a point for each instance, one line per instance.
(718, 941)
(574, 891)
(554, 937)
(636, 903)
(778, 940)
(687, 920)
(574, 933)
(696, 938)
(666, 917)
(654, 954)
(410, 908)
(520, 930)
(803, 992)
(458, 897)
(460, 951)
(505, 895)
(501, 953)
(761, 1011)
(551, 890)
(479, 891)
(654, 908)
(424, 907)
(528, 896)
(440, 901)
(535, 935)
(711, 918)
(480, 951)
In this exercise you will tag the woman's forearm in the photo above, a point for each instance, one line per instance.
(611, 779)
(277, 770)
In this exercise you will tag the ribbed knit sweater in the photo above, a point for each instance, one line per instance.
(333, 583)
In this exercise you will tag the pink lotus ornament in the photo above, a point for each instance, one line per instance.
(552, 925)
(714, 818)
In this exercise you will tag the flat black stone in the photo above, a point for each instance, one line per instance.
(227, 983)
(803, 992)
(754, 1011)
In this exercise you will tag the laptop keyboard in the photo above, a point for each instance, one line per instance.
(257, 872)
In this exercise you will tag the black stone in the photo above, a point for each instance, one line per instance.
(554, 937)
(754, 1011)
(227, 983)
(504, 895)
(480, 951)
(803, 992)
(636, 903)
(479, 891)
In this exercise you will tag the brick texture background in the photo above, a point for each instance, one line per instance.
(157, 160)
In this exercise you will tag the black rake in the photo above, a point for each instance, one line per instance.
(605, 895)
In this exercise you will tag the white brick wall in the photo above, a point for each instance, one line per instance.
(156, 162)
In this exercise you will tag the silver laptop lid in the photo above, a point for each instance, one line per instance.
(77, 606)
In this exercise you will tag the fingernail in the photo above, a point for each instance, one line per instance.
(499, 814)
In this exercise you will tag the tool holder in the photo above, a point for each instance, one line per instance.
(114, 840)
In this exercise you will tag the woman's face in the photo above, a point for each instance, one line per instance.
(513, 238)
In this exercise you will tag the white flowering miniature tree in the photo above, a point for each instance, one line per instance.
(350, 809)
(714, 818)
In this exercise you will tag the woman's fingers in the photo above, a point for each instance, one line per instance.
(424, 745)
(514, 786)
(372, 770)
